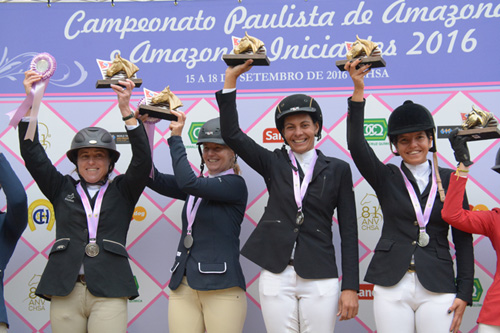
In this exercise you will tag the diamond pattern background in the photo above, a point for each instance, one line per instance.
(152, 241)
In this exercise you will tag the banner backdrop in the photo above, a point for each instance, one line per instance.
(442, 54)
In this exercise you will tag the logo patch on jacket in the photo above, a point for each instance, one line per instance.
(70, 197)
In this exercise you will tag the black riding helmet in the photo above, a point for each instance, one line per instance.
(295, 104)
(411, 117)
(210, 132)
(496, 167)
(93, 137)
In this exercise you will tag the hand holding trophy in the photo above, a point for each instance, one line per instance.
(479, 125)
(159, 105)
(248, 47)
(118, 69)
(365, 49)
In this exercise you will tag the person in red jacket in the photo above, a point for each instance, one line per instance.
(479, 222)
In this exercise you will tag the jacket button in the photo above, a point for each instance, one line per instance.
(414, 243)
(296, 230)
(415, 223)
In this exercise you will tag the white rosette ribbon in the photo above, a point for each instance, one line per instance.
(45, 65)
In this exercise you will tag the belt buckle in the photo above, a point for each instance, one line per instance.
(81, 279)
(412, 268)
(290, 262)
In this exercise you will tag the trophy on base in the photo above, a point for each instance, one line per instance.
(480, 125)
(116, 70)
(159, 105)
(248, 47)
(365, 49)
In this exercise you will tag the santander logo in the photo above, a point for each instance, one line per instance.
(271, 135)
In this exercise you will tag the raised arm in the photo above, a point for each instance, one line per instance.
(17, 203)
(244, 146)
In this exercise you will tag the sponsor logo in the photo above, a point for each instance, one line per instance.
(371, 215)
(139, 214)
(35, 303)
(194, 130)
(271, 135)
(479, 207)
(443, 132)
(120, 138)
(365, 292)
(375, 129)
(137, 300)
(477, 291)
(44, 135)
(70, 197)
(41, 212)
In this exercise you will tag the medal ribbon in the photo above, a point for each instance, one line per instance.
(92, 215)
(191, 211)
(299, 191)
(422, 219)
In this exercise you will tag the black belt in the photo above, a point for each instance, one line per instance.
(80, 278)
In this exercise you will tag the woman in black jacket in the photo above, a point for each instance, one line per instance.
(88, 278)
(207, 283)
(298, 286)
(412, 268)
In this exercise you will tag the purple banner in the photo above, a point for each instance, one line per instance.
(423, 42)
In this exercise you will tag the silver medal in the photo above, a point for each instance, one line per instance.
(300, 218)
(188, 241)
(92, 249)
(423, 239)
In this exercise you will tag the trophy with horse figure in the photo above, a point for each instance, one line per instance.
(479, 125)
(159, 105)
(246, 48)
(116, 70)
(365, 49)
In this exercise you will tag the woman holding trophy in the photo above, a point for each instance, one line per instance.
(479, 222)
(412, 268)
(88, 278)
(207, 284)
(298, 286)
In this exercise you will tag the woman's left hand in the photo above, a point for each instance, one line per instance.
(176, 126)
(458, 308)
(348, 305)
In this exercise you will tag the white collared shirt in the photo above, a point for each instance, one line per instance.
(304, 159)
(421, 174)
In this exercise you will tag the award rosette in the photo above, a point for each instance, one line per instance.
(479, 125)
(116, 70)
(365, 49)
(45, 65)
(246, 48)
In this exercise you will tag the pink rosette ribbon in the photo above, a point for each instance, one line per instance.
(45, 65)
(149, 125)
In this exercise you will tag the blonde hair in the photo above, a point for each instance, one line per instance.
(236, 168)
